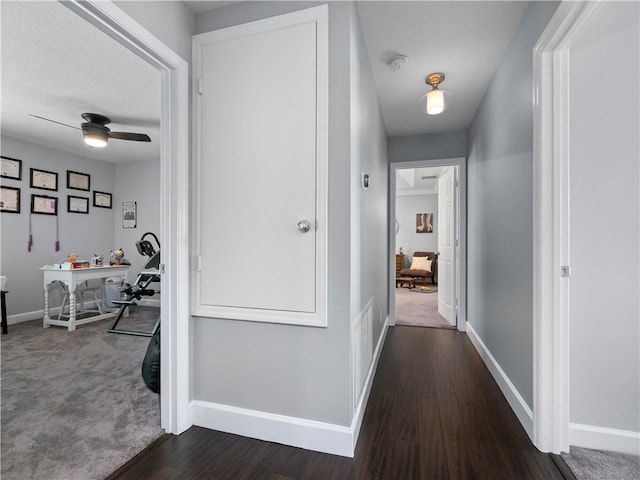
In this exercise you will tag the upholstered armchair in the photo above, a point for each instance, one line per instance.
(424, 265)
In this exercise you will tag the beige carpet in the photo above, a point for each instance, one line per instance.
(418, 309)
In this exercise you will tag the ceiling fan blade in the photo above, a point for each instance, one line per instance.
(53, 121)
(136, 137)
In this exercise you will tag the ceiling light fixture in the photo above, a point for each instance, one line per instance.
(95, 137)
(434, 102)
(397, 62)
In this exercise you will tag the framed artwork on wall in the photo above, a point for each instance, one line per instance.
(424, 222)
(44, 205)
(9, 199)
(11, 168)
(77, 204)
(101, 199)
(129, 215)
(44, 179)
(78, 181)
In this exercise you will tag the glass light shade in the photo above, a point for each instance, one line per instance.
(435, 102)
(94, 137)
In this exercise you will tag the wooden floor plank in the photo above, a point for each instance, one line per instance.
(434, 412)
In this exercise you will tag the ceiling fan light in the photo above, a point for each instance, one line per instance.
(95, 137)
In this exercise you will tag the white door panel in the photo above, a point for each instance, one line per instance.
(446, 245)
(258, 150)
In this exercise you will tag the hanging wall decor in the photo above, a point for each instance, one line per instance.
(129, 215)
(424, 223)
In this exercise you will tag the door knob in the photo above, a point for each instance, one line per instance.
(303, 226)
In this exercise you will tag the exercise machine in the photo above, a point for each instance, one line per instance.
(150, 274)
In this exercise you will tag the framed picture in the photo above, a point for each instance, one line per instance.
(44, 179)
(129, 215)
(44, 205)
(9, 199)
(101, 199)
(11, 168)
(78, 181)
(77, 204)
(424, 222)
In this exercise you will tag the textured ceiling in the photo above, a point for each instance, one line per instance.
(56, 65)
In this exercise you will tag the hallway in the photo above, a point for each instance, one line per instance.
(434, 413)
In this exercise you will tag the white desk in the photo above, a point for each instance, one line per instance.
(72, 278)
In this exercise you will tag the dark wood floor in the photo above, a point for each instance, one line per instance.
(434, 412)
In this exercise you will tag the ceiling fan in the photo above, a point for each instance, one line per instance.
(96, 133)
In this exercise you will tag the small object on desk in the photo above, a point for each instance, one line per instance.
(80, 264)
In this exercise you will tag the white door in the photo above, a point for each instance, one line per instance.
(446, 245)
(259, 161)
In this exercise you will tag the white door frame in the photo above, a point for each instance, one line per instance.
(174, 196)
(551, 225)
(461, 269)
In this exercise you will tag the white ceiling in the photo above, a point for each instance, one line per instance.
(56, 65)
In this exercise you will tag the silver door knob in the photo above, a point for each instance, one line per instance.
(303, 226)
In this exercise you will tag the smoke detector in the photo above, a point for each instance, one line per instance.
(397, 62)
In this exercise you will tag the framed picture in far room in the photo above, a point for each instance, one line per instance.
(424, 222)
(10, 199)
(11, 168)
(77, 204)
(101, 199)
(44, 205)
(78, 181)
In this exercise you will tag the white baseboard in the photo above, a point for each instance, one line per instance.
(602, 438)
(297, 432)
(358, 414)
(27, 316)
(515, 400)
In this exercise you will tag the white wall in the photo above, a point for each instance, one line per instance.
(604, 225)
(500, 208)
(79, 233)
(407, 206)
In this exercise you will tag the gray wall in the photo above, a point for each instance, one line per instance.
(170, 21)
(500, 207)
(428, 147)
(137, 182)
(79, 233)
(407, 206)
(291, 370)
(369, 212)
(604, 328)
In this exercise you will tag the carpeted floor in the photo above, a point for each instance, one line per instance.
(419, 309)
(73, 404)
(587, 464)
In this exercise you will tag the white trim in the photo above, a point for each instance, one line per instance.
(174, 169)
(601, 438)
(361, 405)
(461, 282)
(551, 226)
(517, 403)
(297, 432)
(318, 317)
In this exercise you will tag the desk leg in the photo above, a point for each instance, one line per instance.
(46, 318)
(72, 310)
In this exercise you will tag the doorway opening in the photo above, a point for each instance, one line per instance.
(427, 243)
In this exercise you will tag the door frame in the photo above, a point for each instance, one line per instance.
(174, 195)
(551, 56)
(461, 267)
